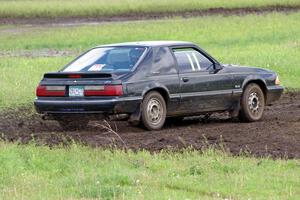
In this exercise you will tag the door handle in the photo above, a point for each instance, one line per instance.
(185, 79)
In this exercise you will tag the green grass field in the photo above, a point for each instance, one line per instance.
(267, 41)
(30, 172)
(76, 172)
(93, 8)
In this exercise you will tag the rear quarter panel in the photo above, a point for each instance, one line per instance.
(145, 78)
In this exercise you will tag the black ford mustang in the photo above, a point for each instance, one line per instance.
(150, 81)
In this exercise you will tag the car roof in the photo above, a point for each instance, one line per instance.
(149, 43)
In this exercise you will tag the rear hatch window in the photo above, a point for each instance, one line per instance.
(107, 59)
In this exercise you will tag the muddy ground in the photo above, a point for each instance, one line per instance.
(73, 20)
(277, 135)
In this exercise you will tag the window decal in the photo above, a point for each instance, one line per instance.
(96, 67)
(191, 61)
(197, 62)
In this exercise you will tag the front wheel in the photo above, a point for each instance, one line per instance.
(154, 111)
(252, 103)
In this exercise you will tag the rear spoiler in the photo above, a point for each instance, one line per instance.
(77, 75)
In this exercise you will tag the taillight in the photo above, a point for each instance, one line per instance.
(74, 76)
(106, 90)
(50, 91)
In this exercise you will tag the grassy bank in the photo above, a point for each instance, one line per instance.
(29, 172)
(269, 41)
(93, 8)
(20, 76)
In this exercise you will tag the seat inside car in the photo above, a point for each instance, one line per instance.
(118, 59)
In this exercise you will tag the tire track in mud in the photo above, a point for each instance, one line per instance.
(277, 135)
(133, 16)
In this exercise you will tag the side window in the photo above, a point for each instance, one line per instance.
(163, 61)
(190, 60)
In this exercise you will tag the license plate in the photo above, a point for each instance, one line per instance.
(76, 91)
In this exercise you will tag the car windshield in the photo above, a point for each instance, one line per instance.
(106, 59)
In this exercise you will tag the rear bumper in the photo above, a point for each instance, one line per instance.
(100, 106)
(274, 93)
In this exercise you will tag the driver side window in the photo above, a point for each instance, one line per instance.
(190, 60)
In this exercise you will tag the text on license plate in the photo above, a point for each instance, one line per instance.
(76, 91)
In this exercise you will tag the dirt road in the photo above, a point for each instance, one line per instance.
(133, 16)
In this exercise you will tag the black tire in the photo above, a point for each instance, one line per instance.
(252, 103)
(154, 111)
(72, 123)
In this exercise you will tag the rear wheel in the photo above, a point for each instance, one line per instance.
(153, 111)
(68, 123)
(252, 103)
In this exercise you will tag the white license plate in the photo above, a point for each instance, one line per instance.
(76, 91)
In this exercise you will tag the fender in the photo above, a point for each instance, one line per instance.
(253, 78)
(156, 86)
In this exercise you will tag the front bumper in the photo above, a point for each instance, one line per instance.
(102, 106)
(274, 93)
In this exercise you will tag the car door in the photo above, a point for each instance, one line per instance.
(202, 87)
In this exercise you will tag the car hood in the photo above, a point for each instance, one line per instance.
(247, 69)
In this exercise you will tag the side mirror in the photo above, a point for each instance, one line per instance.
(218, 67)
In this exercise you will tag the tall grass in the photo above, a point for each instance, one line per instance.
(88, 8)
(29, 172)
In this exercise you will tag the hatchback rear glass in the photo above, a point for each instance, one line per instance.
(106, 59)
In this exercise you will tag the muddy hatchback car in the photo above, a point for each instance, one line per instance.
(150, 81)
